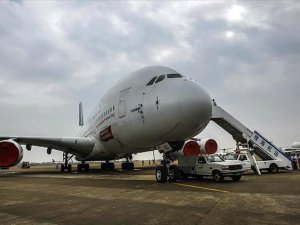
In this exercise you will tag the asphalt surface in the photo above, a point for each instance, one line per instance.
(45, 196)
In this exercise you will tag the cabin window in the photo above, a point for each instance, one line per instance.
(151, 81)
(160, 78)
(175, 75)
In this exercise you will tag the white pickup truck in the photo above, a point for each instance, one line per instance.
(271, 166)
(209, 165)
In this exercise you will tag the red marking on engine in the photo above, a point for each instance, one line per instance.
(9, 154)
(191, 148)
(211, 146)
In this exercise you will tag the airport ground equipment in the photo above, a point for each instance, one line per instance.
(271, 166)
(255, 142)
(209, 165)
(195, 158)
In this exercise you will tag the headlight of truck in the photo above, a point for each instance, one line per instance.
(225, 167)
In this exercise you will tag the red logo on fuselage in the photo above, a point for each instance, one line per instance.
(106, 134)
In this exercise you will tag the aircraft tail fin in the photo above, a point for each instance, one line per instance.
(80, 114)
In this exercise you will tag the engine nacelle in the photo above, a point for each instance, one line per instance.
(295, 145)
(11, 153)
(195, 148)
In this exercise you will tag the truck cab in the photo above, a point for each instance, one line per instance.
(243, 158)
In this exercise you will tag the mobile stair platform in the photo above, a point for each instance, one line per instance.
(255, 141)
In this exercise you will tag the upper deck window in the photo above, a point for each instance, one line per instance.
(160, 78)
(174, 75)
(151, 81)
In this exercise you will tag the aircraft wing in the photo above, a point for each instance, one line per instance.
(77, 145)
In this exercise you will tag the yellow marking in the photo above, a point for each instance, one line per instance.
(204, 188)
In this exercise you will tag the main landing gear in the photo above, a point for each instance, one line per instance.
(83, 167)
(66, 167)
(166, 172)
(107, 166)
(128, 165)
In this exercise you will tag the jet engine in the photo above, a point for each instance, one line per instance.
(295, 145)
(11, 153)
(195, 148)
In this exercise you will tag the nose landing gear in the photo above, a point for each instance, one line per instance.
(166, 172)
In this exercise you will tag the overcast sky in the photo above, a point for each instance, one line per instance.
(53, 54)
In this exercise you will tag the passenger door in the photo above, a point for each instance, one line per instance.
(245, 161)
(122, 103)
(201, 166)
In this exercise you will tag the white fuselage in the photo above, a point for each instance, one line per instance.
(135, 117)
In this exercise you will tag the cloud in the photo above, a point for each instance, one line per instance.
(54, 54)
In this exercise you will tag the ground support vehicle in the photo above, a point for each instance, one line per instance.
(209, 165)
(272, 166)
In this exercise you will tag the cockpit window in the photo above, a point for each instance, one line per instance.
(151, 81)
(160, 78)
(174, 75)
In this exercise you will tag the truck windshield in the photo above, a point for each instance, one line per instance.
(214, 158)
(231, 157)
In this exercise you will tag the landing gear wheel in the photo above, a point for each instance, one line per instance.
(107, 166)
(111, 166)
(127, 166)
(83, 167)
(66, 166)
(273, 168)
(236, 178)
(69, 168)
(161, 174)
(174, 173)
(62, 168)
(131, 166)
(87, 167)
(218, 177)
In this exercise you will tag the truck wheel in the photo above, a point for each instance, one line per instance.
(218, 177)
(236, 178)
(174, 173)
(273, 168)
(161, 174)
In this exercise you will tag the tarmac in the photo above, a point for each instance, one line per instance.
(43, 195)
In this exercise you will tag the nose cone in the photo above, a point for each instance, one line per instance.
(195, 106)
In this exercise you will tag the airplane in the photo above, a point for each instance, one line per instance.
(155, 107)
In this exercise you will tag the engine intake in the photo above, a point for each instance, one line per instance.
(11, 153)
(195, 148)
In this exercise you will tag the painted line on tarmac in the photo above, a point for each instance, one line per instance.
(203, 188)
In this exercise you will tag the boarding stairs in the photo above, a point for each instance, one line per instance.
(260, 145)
